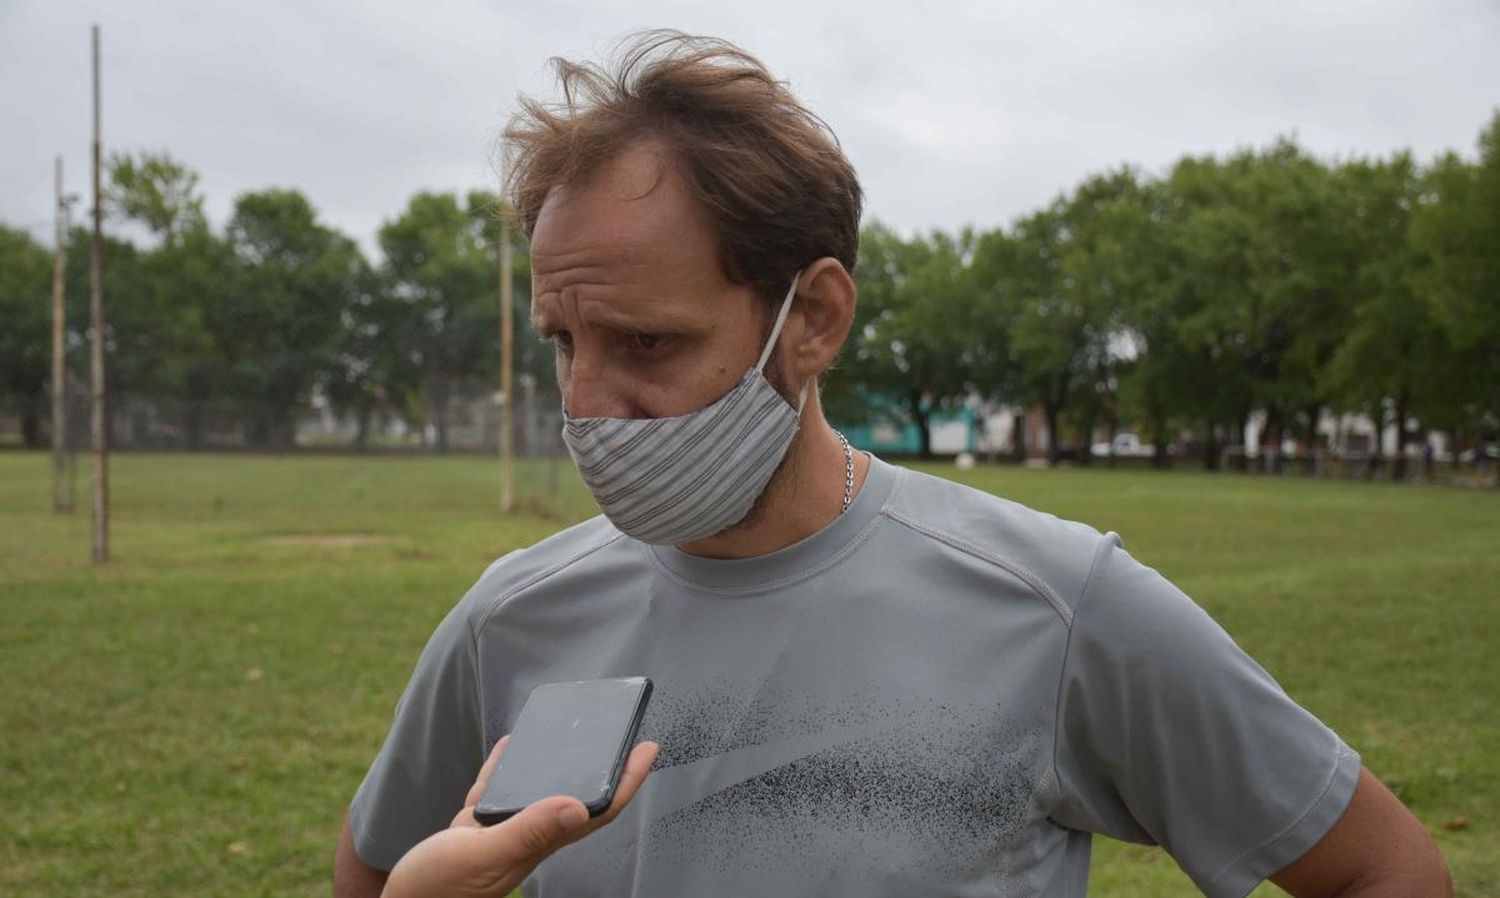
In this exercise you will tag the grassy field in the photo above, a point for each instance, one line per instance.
(193, 718)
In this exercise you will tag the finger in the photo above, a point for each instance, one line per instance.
(541, 828)
(637, 766)
(464, 819)
(477, 790)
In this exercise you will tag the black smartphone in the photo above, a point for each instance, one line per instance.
(569, 739)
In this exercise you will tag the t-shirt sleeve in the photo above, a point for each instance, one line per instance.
(432, 753)
(1168, 733)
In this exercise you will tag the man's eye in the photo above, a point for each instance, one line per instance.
(562, 340)
(645, 342)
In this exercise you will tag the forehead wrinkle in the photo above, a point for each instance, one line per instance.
(645, 270)
(634, 307)
(626, 246)
(598, 251)
(597, 266)
(569, 284)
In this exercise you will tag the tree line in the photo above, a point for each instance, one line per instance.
(1266, 281)
(251, 319)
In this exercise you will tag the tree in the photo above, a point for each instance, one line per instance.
(1300, 291)
(1158, 387)
(438, 263)
(1211, 234)
(375, 367)
(1456, 230)
(279, 314)
(156, 190)
(1045, 324)
(164, 348)
(1103, 220)
(1057, 297)
(1318, 290)
(1391, 344)
(189, 281)
(25, 344)
(913, 344)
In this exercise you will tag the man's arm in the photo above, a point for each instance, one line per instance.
(1378, 848)
(430, 755)
(352, 877)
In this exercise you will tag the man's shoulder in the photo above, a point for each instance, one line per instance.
(1052, 554)
(516, 571)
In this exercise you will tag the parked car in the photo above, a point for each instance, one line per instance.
(1124, 444)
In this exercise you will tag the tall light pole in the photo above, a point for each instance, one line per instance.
(100, 423)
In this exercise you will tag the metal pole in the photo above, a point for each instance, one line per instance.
(507, 361)
(100, 429)
(61, 501)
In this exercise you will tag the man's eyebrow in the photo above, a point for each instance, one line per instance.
(538, 319)
(544, 314)
(641, 321)
(544, 319)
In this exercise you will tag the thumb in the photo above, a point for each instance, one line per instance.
(540, 829)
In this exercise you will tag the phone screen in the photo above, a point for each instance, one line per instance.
(569, 739)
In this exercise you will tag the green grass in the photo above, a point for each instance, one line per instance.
(193, 718)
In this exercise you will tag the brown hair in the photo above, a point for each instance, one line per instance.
(770, 173)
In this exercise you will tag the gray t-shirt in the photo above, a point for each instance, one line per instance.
(940, 693)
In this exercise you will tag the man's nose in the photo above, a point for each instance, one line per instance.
(591, 391)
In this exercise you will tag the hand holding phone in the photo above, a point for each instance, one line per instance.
(570, 739)
(469, 860)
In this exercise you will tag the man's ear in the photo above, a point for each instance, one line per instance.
(824, 312)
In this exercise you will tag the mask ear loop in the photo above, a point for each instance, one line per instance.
(802, 397)
(786, 307)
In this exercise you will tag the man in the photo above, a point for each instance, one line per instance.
(869, 681)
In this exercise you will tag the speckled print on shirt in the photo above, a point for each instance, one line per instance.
(927, 786)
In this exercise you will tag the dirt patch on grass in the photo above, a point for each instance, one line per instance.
(328, 540)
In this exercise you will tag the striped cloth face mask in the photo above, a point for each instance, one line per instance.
(668, 481)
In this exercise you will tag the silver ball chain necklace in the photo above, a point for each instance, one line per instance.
(848, 472)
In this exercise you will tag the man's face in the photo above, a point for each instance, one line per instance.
(626, 282)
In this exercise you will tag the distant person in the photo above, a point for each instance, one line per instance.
(869, 681)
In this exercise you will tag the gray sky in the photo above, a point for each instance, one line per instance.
(953, 113)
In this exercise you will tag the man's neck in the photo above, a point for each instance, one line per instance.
(805, 496)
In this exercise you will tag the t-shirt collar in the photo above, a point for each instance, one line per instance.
(789, 563)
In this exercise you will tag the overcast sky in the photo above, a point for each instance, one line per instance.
(953, 113)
